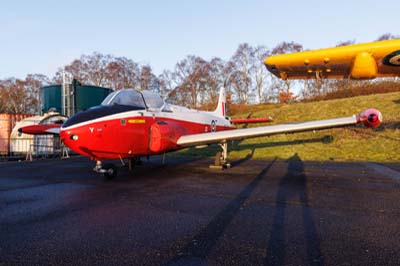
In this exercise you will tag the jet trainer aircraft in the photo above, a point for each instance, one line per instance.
(130, 123)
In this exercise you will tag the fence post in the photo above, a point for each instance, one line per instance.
(29, 154)
(64, 152)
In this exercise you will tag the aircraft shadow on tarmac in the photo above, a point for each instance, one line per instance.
(325, 139)
(248, 157)
(187, 156)
(192, 154)
(239, 146)
(199, 247)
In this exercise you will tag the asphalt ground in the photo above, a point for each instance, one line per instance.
(59, 212)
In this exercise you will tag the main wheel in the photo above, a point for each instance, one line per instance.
(111, 171)
(218, 159)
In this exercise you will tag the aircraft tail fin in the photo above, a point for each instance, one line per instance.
(221, 107)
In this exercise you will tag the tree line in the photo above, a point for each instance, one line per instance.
(194, 81)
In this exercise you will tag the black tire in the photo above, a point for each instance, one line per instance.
(111, 171)
(218, 159)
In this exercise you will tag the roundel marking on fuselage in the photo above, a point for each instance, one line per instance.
(213, 125)
(392, 59)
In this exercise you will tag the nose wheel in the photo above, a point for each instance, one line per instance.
(109, 170)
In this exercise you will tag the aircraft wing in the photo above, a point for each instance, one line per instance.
(359, 61)
(46, 129)
(370, 118)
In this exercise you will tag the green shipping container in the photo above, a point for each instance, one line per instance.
(51, 98)
(84, 97)
(88, 96)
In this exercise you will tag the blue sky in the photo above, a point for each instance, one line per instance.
(40, 36)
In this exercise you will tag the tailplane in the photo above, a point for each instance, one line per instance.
(221, 107)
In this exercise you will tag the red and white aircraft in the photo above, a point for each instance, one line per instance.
(130, 123)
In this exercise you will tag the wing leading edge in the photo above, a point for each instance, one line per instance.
(370, 117)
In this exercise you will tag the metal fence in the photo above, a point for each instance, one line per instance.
(45, 146)
(14, 145)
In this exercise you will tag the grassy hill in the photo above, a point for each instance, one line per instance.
(341, 144)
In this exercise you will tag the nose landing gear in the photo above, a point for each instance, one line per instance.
(109, 170)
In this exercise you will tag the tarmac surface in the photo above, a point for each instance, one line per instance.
(59, 212)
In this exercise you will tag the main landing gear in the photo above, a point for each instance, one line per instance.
(109, 170)
(221, 157)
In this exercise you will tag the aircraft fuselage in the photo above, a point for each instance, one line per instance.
(110, 132)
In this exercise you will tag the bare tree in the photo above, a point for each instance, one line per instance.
(287, 47)
(148, 80)
(345, 43)
(387, 36)
(3, 96)
(21, 96)
(259, 72)
(240, 67)
(95, 66)
(123, 73)
(33, 83)
(13, 95)
(78, 70)
(278, 86)
(166, 82)
(215, 79)
(145, 77)
(190, 76)
(103, 70)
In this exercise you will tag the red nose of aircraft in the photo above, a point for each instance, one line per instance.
(83, 131)
(85, 139)
(72, 138)
(93, 132)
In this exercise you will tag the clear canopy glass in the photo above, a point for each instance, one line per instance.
(139, 99)
(153, 101)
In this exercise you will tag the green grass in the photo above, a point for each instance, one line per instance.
(354, 143)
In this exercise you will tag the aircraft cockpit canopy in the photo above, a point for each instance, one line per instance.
(137, 99)
(153, 101)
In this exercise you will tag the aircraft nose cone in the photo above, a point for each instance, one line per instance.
(64, 136)
(75, 139)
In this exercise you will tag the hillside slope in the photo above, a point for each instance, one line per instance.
(354, 143)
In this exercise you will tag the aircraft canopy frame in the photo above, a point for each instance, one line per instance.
(139, 99)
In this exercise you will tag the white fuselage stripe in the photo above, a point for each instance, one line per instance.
(198, 117)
